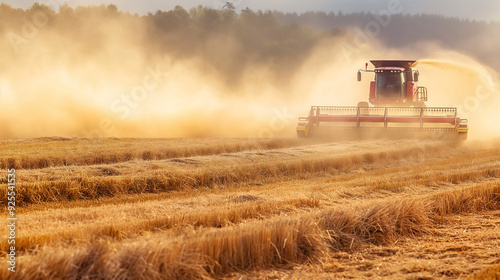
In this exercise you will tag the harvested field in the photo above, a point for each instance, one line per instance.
(253, 209)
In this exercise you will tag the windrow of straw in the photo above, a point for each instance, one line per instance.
(51, 152)
(166, 224)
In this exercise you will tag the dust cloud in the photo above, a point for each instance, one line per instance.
(457, 80)
(95, 72)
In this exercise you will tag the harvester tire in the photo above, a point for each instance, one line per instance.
(462, 137)
(363, 104)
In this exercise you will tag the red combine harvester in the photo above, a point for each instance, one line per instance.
(398, 111)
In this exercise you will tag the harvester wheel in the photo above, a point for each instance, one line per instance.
(301, 134)
(363, 104)
(462, 137)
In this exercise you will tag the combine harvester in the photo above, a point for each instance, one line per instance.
(398, 111)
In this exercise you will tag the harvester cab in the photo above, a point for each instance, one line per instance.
(398, 110)
(395, 84)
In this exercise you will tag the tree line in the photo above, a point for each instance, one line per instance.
(228, 41)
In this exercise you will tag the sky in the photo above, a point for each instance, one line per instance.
(471, 9)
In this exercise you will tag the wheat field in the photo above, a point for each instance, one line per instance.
(253, 209)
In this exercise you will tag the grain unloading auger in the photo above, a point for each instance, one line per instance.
(398, 110)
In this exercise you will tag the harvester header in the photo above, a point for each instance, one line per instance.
(398, 110)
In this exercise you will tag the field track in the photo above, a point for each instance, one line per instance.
(253, 209)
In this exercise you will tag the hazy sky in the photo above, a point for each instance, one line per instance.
(473, 9)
